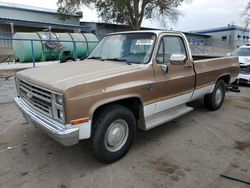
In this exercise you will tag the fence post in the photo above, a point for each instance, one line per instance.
(33, 54)
(75, 52)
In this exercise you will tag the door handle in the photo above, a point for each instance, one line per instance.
(188, 66)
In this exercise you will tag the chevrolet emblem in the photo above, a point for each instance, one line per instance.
(29, 95)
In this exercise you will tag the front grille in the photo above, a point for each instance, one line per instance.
(245, 69)
(38, 98)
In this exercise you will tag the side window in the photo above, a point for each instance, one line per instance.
(170, 45)
(173, 45)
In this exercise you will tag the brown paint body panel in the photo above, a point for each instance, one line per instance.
(208, 71)
(178, 80)
(82, 100)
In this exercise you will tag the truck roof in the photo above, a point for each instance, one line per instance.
(157, 32)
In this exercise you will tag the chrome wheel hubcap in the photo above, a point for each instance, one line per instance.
(218, 95)
(116, 135)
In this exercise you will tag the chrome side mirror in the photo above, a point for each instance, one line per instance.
(177, 59)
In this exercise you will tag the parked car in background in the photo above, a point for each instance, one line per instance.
(243, 53)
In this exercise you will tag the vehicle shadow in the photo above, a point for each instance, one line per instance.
(244, 85)
(155, 134)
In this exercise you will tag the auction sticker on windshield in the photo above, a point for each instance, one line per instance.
(144, 42)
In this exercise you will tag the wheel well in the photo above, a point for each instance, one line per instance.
(134, 104)
(225, 78)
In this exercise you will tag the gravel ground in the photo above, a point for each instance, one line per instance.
(191, 152)
(17, 66)
(8, 90)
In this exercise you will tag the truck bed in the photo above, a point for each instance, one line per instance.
(202, 57)
(209, 68)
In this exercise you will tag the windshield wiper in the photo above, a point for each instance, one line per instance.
(119, 59)
(110, 59)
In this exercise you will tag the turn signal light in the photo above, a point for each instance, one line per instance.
(79, 121)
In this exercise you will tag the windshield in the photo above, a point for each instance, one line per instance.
(130, 47)
(242, 52)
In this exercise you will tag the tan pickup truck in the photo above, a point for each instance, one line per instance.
(130, 80)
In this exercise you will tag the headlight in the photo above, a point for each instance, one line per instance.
(59, 99)
(58, 108)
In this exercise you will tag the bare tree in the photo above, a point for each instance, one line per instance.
(246, 15)
(130, 12)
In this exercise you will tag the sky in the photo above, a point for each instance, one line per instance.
(196, 15)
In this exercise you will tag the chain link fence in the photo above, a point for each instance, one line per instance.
(214, 46)
(7, 53)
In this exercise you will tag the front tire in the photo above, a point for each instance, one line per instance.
(113, 133)
(214, 100)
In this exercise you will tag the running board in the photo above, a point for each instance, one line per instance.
(166, 116)
(233, 88)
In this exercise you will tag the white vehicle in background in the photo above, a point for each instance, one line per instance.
(243, 53)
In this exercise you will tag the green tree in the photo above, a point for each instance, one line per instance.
(130, 12)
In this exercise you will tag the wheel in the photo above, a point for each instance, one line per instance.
(113, 133)
(214, 100)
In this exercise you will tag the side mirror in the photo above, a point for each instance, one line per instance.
(177, 59)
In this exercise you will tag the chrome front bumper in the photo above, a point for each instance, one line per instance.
(54, 129)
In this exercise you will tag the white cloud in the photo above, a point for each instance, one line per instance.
(89, 14)
(37, 3)
(198, 14)
(218, 11)
(201, 14)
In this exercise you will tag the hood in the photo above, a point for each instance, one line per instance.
(244, 60)
(59, 77)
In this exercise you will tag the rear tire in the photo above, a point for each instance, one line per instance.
(214, 100)
(113, 133)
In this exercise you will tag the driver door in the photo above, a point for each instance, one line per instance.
(174, 82)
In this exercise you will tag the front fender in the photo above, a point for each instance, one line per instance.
(103, 102)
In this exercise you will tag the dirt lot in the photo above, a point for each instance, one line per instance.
(7, 90)
(189, 152)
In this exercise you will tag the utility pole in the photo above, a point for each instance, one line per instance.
(12, 29)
